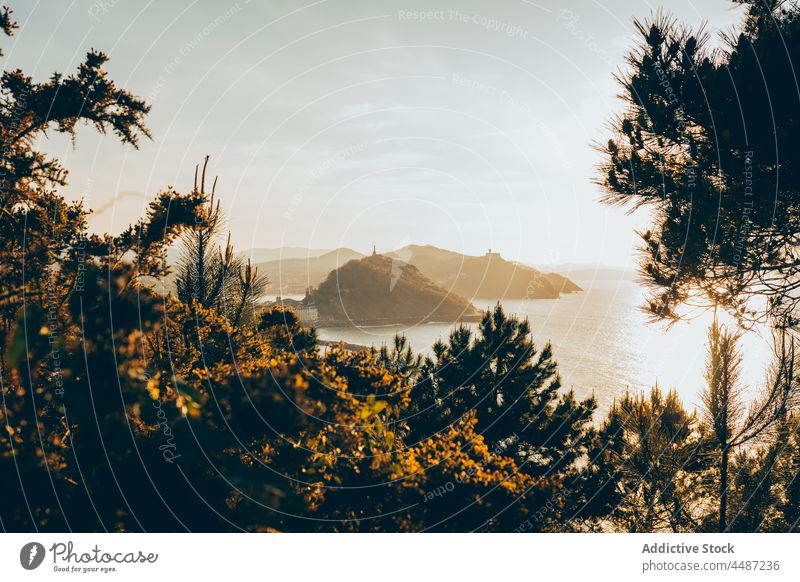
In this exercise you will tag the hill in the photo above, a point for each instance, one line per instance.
(294, 270)
(475, 277)
(280, 253)
(484, 277)
(294, 276)
(562, 284)
(378, 290)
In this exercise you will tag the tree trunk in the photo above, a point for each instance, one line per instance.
(723, 489)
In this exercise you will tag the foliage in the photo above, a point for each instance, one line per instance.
(282, 329)
(729, 426)
(513, 391)
(707, 142)
(214, 277)
(654, 450)
(126, 409)
(44, 244)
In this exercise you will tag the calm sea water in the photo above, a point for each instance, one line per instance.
(601, 341)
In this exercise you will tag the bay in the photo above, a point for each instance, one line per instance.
(602, 341)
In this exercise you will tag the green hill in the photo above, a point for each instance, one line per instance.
(378, 290)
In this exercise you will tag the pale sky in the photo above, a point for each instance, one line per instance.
(341, 123)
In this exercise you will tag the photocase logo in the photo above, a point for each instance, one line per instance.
(31, 555)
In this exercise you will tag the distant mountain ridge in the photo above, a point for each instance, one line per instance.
(475, 277)
(295, 276)
(263, 255)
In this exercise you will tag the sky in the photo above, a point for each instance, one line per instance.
(339, 123)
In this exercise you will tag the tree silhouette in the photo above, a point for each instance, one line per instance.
(707, 142)
(515, 394)
(655, 451)
(212, 275)
(731, 424)
(44, 245)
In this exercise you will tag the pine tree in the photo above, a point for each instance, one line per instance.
(212, 275)
(652, 456)
(515, 393)
(731, 424)
(707, 141)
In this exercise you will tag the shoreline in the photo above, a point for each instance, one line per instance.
(389, 321)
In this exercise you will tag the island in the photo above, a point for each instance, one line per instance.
(381, 290)
(487, 277)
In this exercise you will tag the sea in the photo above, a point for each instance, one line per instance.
(603, 343)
